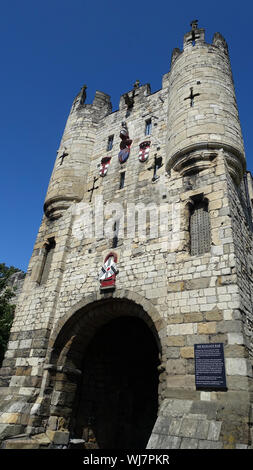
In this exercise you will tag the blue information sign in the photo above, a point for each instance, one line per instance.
(210, 366)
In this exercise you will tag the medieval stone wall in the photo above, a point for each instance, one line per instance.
(202, 298)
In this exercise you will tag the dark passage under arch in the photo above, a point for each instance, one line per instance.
(117, 399)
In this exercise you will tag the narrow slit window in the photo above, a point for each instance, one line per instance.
(48, 255)
(148, 127)
(110, 142)
(122, 180)
(115, 236)
(200, 236)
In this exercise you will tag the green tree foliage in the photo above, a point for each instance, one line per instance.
(6, 307)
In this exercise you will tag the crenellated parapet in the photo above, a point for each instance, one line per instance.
(202, 108)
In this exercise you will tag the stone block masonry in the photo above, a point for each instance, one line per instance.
(188, 278)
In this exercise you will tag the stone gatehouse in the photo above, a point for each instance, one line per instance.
(143, 255)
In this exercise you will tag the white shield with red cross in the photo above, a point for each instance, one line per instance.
(144, 151)
(105, 162)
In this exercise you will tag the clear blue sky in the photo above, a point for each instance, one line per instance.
(50, 48)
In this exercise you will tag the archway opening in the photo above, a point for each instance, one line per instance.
(117, 399)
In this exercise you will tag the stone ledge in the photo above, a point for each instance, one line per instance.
(39, 441)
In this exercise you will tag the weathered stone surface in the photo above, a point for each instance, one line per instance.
(205, 444)
(58, 437)
(189, 443)
(199, 283)
(207, 328)
(176, 286)
(175, 407)
(187, 352)
(214, 431)
(162, 441)
(237, 366)
(176, 341)
(184, 294)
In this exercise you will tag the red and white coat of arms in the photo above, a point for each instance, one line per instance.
(105, 162)
(144, 151)
(108, 273)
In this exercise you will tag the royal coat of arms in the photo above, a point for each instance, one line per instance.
(108, 272)
(123, 155)
(125, 144)
(144, 151)
(105, 162)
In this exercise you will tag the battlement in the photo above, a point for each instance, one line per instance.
(99, 108)
(202, 111)
(196, 38)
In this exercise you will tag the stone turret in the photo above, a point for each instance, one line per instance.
(73, 157)
(202, 109)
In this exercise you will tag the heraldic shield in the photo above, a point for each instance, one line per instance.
(123, 155)
(108, 272)
(144, 151)
(125, 144)
(105, 162)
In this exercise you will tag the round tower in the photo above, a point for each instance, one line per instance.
(73, 157)
(202, 108)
